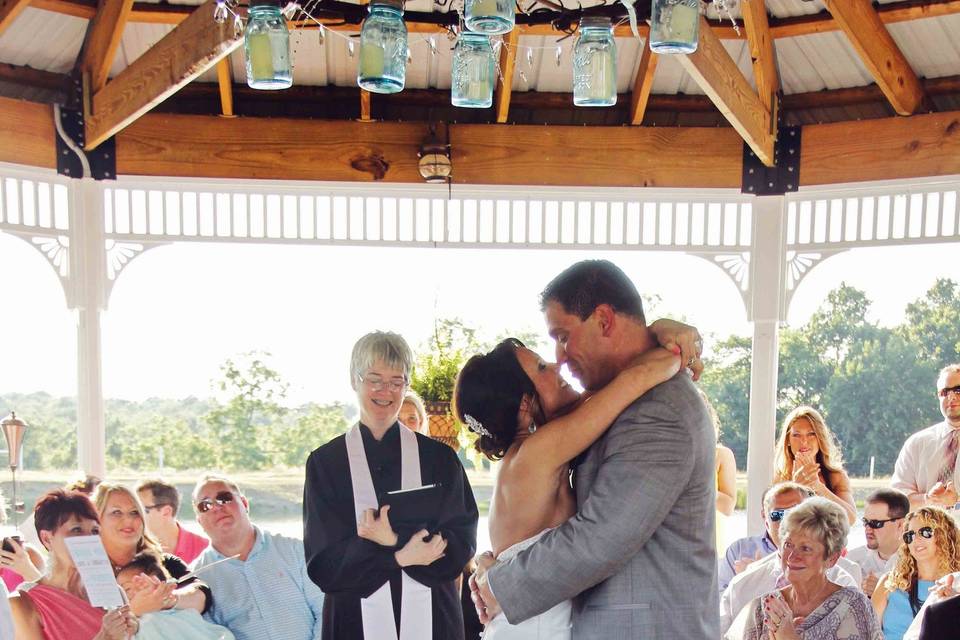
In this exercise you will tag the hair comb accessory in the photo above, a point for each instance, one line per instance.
(474, 425)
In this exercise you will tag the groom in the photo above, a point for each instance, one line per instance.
(639, 555)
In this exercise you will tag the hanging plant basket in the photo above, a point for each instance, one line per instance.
(443, 426)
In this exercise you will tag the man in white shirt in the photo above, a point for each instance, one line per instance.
(883, 521)
(926, 468)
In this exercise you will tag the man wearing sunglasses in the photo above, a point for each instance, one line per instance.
(261, 585)
(926, 468)
(883, 520)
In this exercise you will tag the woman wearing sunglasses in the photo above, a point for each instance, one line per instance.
(124, 535)
(930, 550)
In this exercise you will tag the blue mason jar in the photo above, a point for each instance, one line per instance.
(595, 64)
(266, 45)
(383, 48)
(474, 72)
(674, 26)
(491, 17)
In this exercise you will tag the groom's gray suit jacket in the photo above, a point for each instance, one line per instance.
(639, 556)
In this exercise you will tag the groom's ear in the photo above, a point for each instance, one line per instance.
(606, 319)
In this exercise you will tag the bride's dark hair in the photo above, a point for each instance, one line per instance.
(489, 389)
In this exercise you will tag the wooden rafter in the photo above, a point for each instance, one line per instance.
(9, 10)
(718, 76)
(194, 46)
(508, 61)
(225, 87)
(762, 53)
(643, 85)
(103, 38)
(26, 83)
(879, 53)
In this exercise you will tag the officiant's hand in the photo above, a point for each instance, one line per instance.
(486, 605)
(377, 529)
(422, 549)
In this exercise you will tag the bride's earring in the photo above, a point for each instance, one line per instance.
(533, 427)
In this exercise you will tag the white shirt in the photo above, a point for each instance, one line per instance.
(869, 561)
(921, 458)
(913, 631)
(761, 577)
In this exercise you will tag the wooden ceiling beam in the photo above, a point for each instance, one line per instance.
(225, 87)
(508, 62)
(762, 53)
(26, 83)
(717, 74)
(195, 45)
(103, 38)
(9, 10)
(879, 53)
(643, 85)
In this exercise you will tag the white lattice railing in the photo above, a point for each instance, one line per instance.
(33, 204)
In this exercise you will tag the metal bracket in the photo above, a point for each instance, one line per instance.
(784, 176)
(102, 160)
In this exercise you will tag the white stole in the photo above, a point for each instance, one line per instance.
(416, 609)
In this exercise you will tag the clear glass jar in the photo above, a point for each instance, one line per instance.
(383, 49)
(595, 64)
(491, 17)
(675, 26)
(474, 72)
(266, 45)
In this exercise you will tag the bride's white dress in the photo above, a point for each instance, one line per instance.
(553, 624)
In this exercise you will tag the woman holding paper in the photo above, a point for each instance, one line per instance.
(124, 535)
(56, 606)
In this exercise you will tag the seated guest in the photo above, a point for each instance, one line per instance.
(742, 552)
(22, 562)
(182, 624)
(56, 606)
(930, 550)
(883, 519)
(264, 593)
(808, 454)
(764, 576)
(124, 535)
(413, 415)
(161, 502)
(86, 485)
(811, 606)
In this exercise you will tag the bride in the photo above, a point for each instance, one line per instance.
(530, 419)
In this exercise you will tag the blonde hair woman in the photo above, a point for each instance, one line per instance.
(930, 550)
(413, 415)
(808, 454)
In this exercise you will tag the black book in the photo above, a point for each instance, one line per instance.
(414, 509)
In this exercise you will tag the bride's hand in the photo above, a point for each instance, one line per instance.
(671, 334)
(658, 364)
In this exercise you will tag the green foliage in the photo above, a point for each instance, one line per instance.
(314, 425)
(440, 359)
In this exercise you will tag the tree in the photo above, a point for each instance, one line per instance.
(313, 426)
(933, 323)
(726, 381)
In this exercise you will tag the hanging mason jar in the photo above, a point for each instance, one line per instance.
(489, 16)
(474, 71)
(674, 26)
(383, 48)
(595, 64)
(266, 43)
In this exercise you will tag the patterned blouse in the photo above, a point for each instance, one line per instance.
(845, 615)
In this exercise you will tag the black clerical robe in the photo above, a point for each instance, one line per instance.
(348, 568)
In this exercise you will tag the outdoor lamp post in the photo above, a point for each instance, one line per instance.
(13, 430)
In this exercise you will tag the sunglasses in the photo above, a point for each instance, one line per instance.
(223, 498)
(776, 515)
(943, 393)
(926, 532)
(877, 524)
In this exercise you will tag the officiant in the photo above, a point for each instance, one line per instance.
(388, 570)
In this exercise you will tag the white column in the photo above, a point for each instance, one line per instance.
(88, 276)
(767, 270)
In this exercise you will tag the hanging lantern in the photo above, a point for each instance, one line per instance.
(383, 48)
(474, 71)
(266, 43)
(674, 26)
(491, 17)
(13, 431)
(595, 64)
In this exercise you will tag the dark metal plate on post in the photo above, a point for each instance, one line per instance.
(784, 177)
(103, 159)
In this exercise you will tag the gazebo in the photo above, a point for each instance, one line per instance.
(795, 131)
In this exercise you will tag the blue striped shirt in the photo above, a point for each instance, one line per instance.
(266, 597)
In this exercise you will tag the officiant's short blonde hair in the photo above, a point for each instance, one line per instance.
(380, 346)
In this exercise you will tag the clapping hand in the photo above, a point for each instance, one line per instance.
(806, 471)
(943, 495)
(118, 624)
(779, 619)
(376, 527)
(150, 594)
(740, 564)
(947, 586)
(486, 605)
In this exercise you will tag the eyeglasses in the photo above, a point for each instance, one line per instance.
(223, 498)
(379, 384)
(150, 507)
(776, 515)
(943, 393)
(925, 532)
(877, 524)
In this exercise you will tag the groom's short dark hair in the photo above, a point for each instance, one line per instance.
(584, 286)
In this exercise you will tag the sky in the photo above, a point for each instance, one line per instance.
(178, 311)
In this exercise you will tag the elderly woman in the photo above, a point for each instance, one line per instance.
(124, 535)
(930, 551)
(56, 606)
(808, 454)
(413, 415)
(810, 607)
